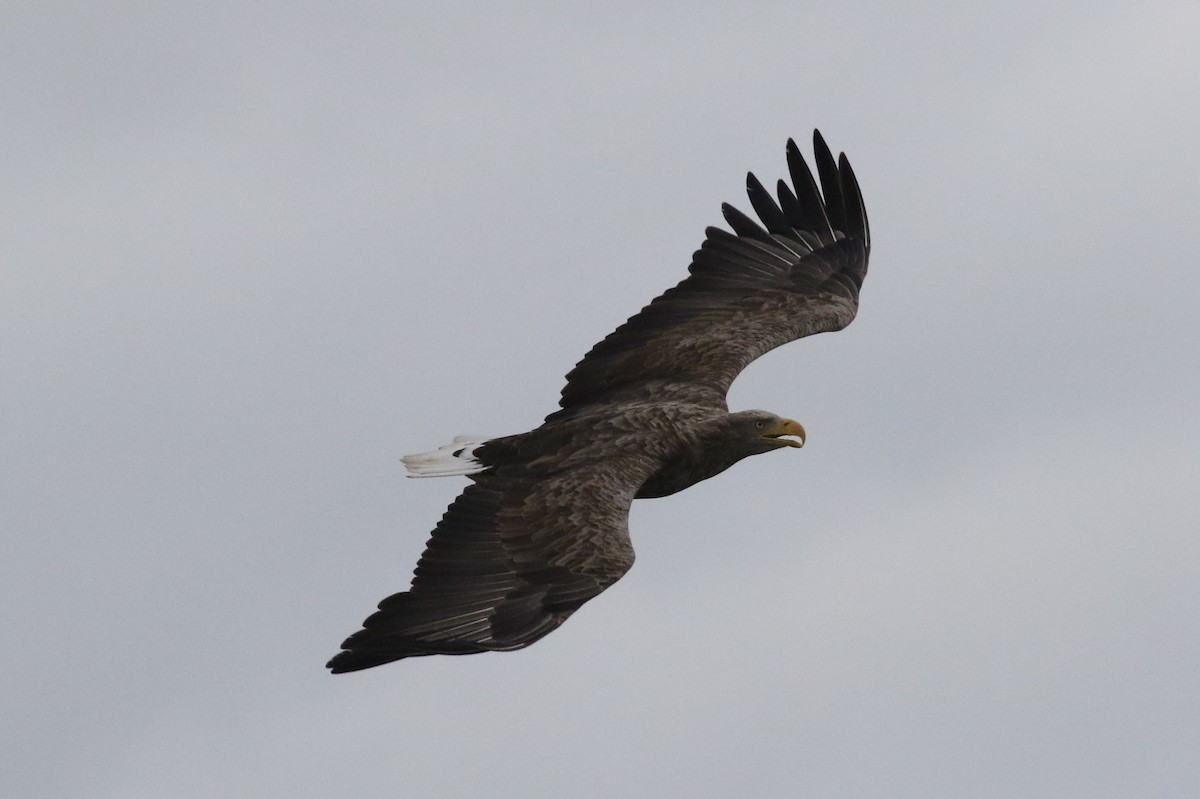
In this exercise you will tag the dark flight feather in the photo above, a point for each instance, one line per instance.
(700, 330)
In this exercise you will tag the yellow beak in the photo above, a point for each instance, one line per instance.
(787, 427)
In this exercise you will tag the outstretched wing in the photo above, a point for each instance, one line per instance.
(511, 559)
(749, 291)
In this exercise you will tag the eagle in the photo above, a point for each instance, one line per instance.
(544, 524)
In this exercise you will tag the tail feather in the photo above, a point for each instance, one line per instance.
(455, 458)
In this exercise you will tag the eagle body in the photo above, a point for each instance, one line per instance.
(543, 526)
(676, 444)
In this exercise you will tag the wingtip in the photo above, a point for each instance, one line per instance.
(863, 225)
(819, 141)
(742, 225)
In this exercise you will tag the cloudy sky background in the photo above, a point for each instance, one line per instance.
(252, 255)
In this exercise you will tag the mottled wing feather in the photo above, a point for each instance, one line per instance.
(749, 291)
(510, 560)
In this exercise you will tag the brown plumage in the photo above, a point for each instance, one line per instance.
(544, 526)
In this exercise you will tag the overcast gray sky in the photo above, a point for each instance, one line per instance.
(254, 254)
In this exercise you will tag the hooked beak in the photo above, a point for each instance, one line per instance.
(786, 427)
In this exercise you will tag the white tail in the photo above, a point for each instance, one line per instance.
(454, 458)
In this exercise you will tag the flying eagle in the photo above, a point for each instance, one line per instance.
(543, 528)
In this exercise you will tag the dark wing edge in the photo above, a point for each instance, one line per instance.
(797, 273)
(511, 559)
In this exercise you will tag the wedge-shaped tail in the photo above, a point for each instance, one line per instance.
(455, 458)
